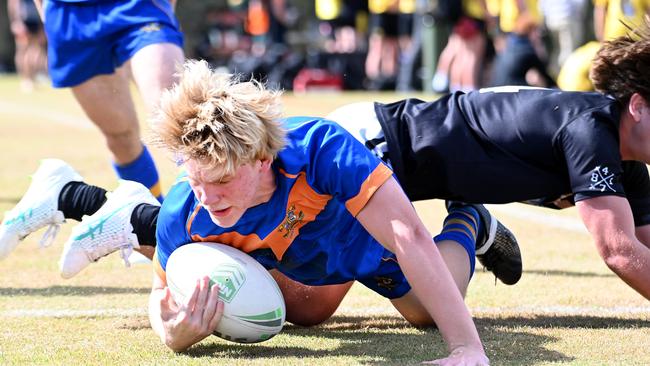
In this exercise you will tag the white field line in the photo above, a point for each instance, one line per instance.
(520, 212)
(44, 114)
(345, 310)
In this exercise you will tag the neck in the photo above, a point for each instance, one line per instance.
(626, 143)
(266, 188)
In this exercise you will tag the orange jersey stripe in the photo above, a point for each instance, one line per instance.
(303, 205)
(378, 177)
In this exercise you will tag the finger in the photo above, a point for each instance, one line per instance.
(191, 302)
(211, 306)
(168, 300)
(202, 298)
(218, 314)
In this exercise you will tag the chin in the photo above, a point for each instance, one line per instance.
(224, 222)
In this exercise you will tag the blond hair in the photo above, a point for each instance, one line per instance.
(622, 66)
(214, 118)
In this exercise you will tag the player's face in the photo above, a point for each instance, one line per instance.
(639, 140)
(227, 197)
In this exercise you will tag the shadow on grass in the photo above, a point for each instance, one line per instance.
(71, 291)
(565, 321)
(569, 273)
(391, 340)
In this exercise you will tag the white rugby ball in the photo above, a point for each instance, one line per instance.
(254, 309)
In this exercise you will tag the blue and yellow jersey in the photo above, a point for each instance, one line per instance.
(307, 230)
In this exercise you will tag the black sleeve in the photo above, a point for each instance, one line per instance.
(590, 147)
(637, 190)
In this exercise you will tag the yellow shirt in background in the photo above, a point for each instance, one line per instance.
(629, 11)
(473, 9)
(407, 6)
(328, 9)
(508, 13)
(381, 6)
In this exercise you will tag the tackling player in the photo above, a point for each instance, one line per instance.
(541, 146)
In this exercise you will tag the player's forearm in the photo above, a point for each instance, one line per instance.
(434, 286)
(630, 260)
(155, 316)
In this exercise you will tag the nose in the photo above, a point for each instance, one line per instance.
(208, 196)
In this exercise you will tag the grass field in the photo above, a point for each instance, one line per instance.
(567, 309)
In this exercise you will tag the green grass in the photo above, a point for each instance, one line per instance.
(568, 309)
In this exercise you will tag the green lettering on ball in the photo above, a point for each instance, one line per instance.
(230, 278)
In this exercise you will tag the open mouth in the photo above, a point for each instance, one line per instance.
(221, 213)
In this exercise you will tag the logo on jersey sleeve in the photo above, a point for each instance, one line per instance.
(602, 180)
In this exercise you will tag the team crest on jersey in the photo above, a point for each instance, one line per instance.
(290, 222)
(602, 180)
(151, 27)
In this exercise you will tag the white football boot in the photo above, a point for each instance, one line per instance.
(39, 207)
(106, 231)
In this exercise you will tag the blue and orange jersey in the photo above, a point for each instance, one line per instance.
(307, 230)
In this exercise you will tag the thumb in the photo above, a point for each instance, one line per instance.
(167, 302)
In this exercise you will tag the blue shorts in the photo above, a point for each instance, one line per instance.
(388, 280)
(86, 39)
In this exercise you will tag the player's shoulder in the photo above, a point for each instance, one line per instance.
(308, 133)
(179, 201)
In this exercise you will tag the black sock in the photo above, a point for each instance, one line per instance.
(143, 220)
(78, 199)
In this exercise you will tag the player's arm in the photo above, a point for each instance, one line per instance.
(643, 234)
(392, 220)
(179, 326)
(611, 225)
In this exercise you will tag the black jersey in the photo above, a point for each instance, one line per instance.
(512, 144)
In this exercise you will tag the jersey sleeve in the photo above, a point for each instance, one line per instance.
(171, 232)
(591, 150)
(637, 189)
(342, 167)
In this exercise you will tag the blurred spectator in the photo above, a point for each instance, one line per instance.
(519, 63)
(342, 23)
(609, 19)
(564, 21)
(574, 73)
(381, 61)
(608, 15)
(31, 55)
(224, 34)
(462, 58)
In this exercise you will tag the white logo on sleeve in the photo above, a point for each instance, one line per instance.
(602, 180)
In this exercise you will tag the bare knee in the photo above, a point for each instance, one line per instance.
(310, 315)
(309, 305)
(124, 144)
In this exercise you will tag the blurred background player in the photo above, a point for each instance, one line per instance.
(30, 57)
(96, 49)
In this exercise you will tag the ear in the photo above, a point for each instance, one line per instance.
(266, 164)
(637, 106)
